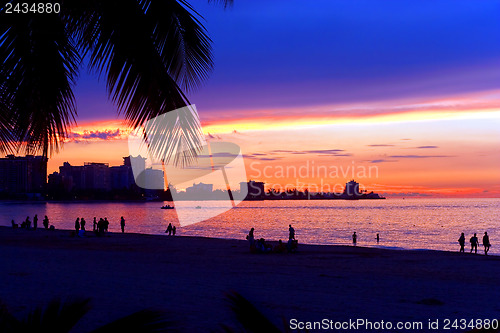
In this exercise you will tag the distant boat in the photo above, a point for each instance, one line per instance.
(198, 207)
(167, 207)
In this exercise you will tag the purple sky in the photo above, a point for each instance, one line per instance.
(293, 53)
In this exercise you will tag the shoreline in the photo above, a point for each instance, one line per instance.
(188, 277)
(89, 234)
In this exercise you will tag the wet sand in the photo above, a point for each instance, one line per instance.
(189, 276)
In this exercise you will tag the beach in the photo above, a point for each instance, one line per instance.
(188, 278)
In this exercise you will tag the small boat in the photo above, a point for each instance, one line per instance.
(167, 207)
(198, 207)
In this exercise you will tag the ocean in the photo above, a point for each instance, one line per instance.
(402, 224)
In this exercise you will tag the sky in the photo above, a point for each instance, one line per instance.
(411, 89)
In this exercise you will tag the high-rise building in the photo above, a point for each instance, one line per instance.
(255, 189)
(26, 174)
(100, 176)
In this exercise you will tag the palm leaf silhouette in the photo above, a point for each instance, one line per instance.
(61, 316)
(251, 320)
(149, 51)
(144, 321)
(57, 317)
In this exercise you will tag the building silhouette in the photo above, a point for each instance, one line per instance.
(23, 175)
(255, 189)
(97, 176)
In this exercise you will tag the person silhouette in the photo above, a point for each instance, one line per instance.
(354, 238)
(77, 224)
(486, 243)
(169, 229)
(46, 222)
(174, 230)
(250, 237)
(461, 241)
(95, 224)
(473, 243)
(106, 224)
(82, 224)
(378, 238)
(28, 222)
(122, 224)
(35, 222)
(100, 226)
(291, 232)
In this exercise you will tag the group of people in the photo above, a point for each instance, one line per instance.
(261, 246)
(474, 242)
(98, 227)
(171, 230)
(26, 224)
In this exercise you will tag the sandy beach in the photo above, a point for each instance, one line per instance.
(188, 278)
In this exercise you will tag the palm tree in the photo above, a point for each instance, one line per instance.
(149, 51)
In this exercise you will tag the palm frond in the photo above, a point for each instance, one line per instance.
(8, 323)
(39, 66)
(225, 3)
(145, 321)
(6, 123)
(58, 316)
(249, 317)
(181, 41)
(129, 47)
(175, 134)
(147, 49)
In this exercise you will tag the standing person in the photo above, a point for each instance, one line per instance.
(77, 225)
(122, 224)
(35, 222)
(169, 229)
(106, 224)
(100, 227)
(378, 238)
(486, 243)
(250, 237)
(461, 241)
(354, 238)
(95, 224)
(46, 222)
(473, 243)
(291, 232)
(28, 222)
(82, 223)
(174, 229)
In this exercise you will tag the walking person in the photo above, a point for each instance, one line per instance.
(46, 222)
(122, 224)
(77, 225)
(169, 229)
(354, 238)
(486, 243)
(35, 222)
(291, 232)
(461, 241)
(473, 243)
(174, 230)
